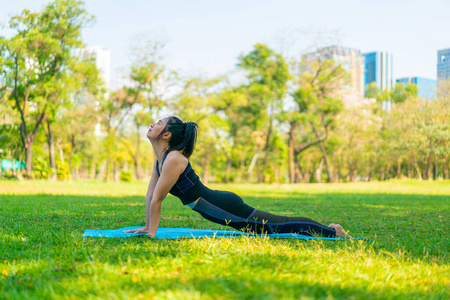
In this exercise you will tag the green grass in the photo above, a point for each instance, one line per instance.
(44, 256)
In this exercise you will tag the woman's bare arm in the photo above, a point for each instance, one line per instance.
(149, 195)
(148, 199)
(174, 165)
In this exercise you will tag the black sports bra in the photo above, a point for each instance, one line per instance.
(187, 180)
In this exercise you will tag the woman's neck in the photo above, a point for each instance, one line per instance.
(159, 149)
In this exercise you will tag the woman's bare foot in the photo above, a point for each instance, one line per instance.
(340, 232)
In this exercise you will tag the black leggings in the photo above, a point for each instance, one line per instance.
(227, 208)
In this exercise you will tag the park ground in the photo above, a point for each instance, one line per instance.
(43, 254)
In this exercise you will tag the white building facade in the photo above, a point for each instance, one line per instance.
(102, 58)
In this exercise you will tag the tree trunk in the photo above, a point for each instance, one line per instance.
(399, 168)
(252, 165)
(28, 153)
(324, 153)
(299, 174)
(228, 170)
(242, 166)
(427, 171)
(205, 163)
(338, 174)
(311, 169)
(277, 173)
(308, 173)
(73, 144)
(351, 171)
(266, 155)
(409, 170)
(136, 167)
(93, 169)
(268, 146)
(27, 144)
(260, 175)
(435, 167)
(291, 155)
(61, 152)
(419, 174)
(318, 172)
(445, 167)
(108, 169)
(116, 174)
(28, 138)
(51, 149)
(136, 156)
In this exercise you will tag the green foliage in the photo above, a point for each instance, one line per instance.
(35, 59)
(267, 76)
(267, 69)
(125, 176)
(40, 169)
(280, 121)
(372, 90)
(399, 94)
(63, 172)
(317, 95)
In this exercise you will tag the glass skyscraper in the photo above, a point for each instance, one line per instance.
(443, 64)
(379, 69)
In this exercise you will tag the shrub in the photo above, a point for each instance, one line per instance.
(40, 169)
(63, 172)
(125, 176)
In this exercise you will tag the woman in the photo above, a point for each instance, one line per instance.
(173, 142)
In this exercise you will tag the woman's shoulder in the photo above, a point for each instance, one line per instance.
(177, 157)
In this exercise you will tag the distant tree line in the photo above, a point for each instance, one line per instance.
(275, 119)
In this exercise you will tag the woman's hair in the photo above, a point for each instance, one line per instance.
(184, 135)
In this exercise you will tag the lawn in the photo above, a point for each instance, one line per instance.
(44, 256)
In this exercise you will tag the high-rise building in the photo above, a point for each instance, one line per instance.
(102, 58)
(379, 69)
(443, 64)
(426, 87)
(350, 59)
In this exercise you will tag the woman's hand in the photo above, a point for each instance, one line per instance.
(136, 231)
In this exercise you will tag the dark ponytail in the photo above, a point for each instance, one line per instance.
(184, 135)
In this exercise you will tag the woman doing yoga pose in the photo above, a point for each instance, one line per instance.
(173, 142)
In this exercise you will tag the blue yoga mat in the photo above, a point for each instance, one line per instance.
(187, 233)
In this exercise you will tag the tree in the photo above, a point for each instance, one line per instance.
(77, 116)
(194, 103)
(113, 112)
(399, 94)
(35, 56)
(10, 142)
(317, 99)
(148, 78)
(240, 115)
(268, 74)
(357, 133)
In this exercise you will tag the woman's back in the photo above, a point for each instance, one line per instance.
(186, 181)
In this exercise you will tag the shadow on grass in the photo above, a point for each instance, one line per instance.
(256, 277)
(395, 222)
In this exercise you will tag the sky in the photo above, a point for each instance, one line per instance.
(207, 36)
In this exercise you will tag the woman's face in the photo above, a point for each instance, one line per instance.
(155, 129)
